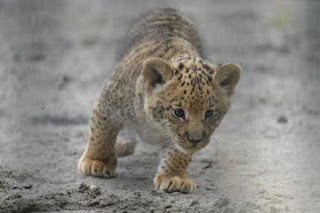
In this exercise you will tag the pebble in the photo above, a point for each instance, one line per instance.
(92, 190)
(194, 202)
(168, 206)
(29, 186)
(83, 187)
(282, 119)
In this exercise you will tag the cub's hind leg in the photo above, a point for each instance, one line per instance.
(99, 158)
(125, 145)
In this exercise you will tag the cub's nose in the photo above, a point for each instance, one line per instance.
(194, 140)
(194, 136)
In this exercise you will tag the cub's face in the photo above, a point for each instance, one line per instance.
(188, 97)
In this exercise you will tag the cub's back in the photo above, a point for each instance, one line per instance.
(160, 25)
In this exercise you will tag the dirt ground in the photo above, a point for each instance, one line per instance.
(55, 55)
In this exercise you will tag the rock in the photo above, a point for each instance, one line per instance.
(94, 191)
(91, 190)
(83, 187)
(28, 186)
(282, 119)
(194, 202)
(168, 206)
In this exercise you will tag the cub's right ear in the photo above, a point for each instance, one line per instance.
(156, 71)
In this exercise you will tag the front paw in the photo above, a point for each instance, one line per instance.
(98, 168)
(174, 184)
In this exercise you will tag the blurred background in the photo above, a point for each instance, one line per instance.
(55, 56)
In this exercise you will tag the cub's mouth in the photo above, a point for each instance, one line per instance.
(191, 145)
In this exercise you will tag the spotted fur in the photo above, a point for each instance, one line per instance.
(161, 70)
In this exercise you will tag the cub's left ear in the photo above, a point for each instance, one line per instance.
(227, 77)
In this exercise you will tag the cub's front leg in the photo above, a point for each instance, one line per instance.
(99, 158)
(172, 172)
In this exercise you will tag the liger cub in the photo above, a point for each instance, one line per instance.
(165, 91)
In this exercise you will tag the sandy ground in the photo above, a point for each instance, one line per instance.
(55, 55)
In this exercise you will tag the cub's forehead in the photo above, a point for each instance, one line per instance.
(193, 82)
(192, 64)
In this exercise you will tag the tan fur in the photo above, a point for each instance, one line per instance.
(162, 71)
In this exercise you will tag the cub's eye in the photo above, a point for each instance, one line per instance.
(209, 113)
(179, 113)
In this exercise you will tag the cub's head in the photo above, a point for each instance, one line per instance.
(188, 97)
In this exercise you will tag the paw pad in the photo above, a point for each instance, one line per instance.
(174, 184)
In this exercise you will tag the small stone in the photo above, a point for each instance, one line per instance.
(194, 202)
(29, 186)
(94, 190)
(94, 203)
(208, 166)
(83, 187)
(49, 196)
(282, 119)
(168, 206)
